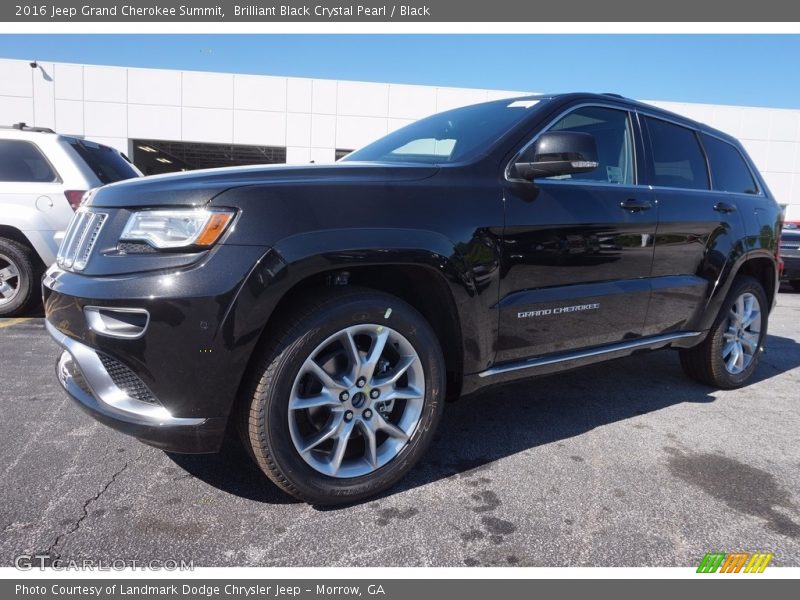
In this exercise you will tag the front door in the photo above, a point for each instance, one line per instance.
(577, 250)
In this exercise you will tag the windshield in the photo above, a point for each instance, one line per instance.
(448, 137)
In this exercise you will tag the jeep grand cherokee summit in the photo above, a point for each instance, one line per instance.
(327, 312)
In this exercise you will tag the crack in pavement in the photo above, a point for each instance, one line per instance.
(51, 550)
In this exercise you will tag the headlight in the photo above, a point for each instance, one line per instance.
(177, 228)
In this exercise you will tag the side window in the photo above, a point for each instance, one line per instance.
(678, 160)
(611, 129)
(729, 171)
(21, 161)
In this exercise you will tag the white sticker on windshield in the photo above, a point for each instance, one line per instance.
(523, 103)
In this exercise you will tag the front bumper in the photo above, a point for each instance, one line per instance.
(86, 379)
(172, 383)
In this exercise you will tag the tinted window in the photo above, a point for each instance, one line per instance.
(612, 133)
(729, 172)
(22, 161)
(678, 160)
(450, 136)
(107, 165)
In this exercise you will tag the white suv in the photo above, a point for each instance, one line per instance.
(43, 177)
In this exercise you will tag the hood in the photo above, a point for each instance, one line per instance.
(197, 188)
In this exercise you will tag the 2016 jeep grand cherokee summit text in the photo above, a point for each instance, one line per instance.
(327, 312)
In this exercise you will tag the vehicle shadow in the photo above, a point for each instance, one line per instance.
(504, 420)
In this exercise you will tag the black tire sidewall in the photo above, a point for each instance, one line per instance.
(728, 379)
(20, 256)
(367, 308)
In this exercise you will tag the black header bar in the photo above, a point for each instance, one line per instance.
(217, 11)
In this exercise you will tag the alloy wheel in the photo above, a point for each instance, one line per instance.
(356, 401)
(742, 334)
(9, 280)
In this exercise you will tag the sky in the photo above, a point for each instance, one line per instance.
(753, 70)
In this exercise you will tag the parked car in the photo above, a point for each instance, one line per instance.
(327, 311)
(790, 253)
(43, 177)
(791, 216)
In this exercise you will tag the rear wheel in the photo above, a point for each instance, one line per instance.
(347, 399)
(730, 353)
(17, 278)
(795, 283)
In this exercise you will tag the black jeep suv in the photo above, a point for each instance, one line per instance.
(327, 312)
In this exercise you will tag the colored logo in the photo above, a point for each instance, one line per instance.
(737, 562)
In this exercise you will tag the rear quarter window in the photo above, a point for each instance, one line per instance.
(107, 164)
(729, 171)
(22, 161)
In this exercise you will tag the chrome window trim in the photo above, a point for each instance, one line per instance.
(589, 183)
(695, 191)
(639, 112)
(629, 110)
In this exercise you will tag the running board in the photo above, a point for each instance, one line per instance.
(623, 348)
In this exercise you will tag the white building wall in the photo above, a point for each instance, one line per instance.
(310, 117)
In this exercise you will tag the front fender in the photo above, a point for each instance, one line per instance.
(300, 257)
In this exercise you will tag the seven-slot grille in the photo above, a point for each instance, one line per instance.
(80, 238)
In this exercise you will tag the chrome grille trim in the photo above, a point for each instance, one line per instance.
(79, 241)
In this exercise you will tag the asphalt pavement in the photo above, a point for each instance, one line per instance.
(622, 464)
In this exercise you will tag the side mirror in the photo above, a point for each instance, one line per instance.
(558, 153)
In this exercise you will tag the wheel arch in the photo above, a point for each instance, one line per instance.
(759, 264)
(420, 285)
(421, 268)
(34, 243)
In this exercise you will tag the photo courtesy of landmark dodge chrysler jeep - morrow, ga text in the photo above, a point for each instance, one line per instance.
(326, 312)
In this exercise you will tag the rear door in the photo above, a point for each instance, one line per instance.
(30, 187)
(577, 250)
(698, 225)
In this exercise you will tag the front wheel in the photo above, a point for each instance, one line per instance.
(347, 399)
(730, 353)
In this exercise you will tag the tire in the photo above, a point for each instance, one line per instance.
(795, 283)
(17, 278)
(709, 361)
(319, 332)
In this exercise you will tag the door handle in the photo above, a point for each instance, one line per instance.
(634, 205)
(724, 207)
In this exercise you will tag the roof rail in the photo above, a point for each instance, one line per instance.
(23, 127)
(613, 95)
